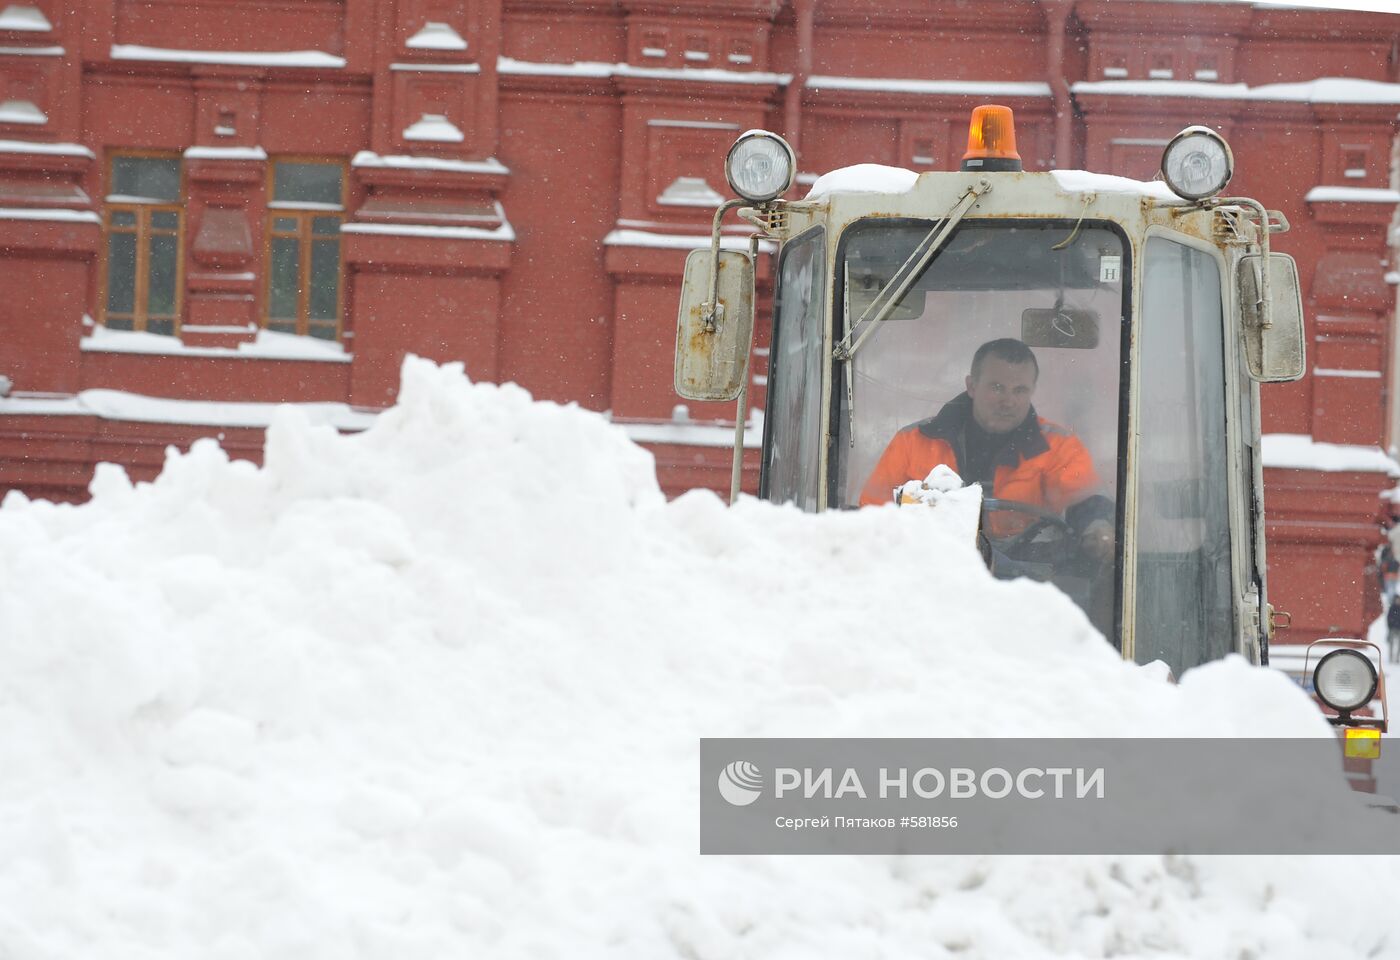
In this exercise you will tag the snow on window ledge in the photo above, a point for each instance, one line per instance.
(34, 213)
(1326, 194)
(368, 158)
(138, 408)
(436, 36)
(435, 67)
(261, 58)
(690, 192)
(55, 149)
(22, 111)
(1322, 90)
(1298, 451)
(32, 51)
(971, 87)
(435, 128)
(689, 434)
(505, 233)
(671, 241)
(24, 18)
(509, 66)
(268, 345)
(225, 153)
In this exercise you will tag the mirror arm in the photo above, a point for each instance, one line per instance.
(1266, 306)
(740, 414)
(710, 309)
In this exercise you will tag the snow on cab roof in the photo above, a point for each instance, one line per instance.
(863, 178)
(877, 178)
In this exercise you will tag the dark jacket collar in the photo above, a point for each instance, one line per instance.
(1025, 441)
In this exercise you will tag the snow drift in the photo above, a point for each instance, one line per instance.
(436, 690)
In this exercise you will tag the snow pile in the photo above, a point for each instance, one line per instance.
(959, 507)
(436, 689)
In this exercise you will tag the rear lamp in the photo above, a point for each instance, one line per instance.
(760, 166)
(1197, 163)
(991, 140)
(1345, 680)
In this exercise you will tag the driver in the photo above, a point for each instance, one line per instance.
(992, 436)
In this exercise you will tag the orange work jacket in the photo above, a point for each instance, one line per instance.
(1042, 464)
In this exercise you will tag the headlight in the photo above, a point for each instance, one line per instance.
(1345, 680)
(760, 166)
(1197, 163)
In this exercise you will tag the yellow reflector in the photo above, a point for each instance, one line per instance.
(1362, 743)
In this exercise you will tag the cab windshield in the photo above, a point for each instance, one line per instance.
(1041, 306)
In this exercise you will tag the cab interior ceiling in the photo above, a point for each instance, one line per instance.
(985, 255)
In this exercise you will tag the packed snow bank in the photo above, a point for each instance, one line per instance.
(435, 690)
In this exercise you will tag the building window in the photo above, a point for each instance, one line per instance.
(697, 48)
(144, 223)
(654, 44)
(1354, 163)
(923, 152)
(304, 280)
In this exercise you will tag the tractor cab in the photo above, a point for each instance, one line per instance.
(1088, 348)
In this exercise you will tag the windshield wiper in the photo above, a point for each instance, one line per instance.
(893, 293)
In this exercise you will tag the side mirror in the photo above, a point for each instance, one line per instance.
(1275, 353)
(712, 353)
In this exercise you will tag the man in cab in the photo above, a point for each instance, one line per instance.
(991, 435)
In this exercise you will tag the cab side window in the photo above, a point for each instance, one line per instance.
(1184, 603)
(791, 472)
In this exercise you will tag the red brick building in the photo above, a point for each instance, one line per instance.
(209, 206)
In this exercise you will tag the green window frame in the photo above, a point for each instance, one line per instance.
(304, 293)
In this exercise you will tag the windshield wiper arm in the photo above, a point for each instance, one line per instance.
(892, 293)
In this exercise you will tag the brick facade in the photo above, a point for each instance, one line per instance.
(521, 179)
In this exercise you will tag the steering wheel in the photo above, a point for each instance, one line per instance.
(1018, 542)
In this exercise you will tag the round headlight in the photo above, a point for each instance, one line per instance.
(1197, 163)
(1345, 680)
(760, 166)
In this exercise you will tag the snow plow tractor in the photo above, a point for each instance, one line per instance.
(1086, 348)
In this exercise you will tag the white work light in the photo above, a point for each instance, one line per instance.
(1197, 163)
(760, 166)
(1345, 680)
